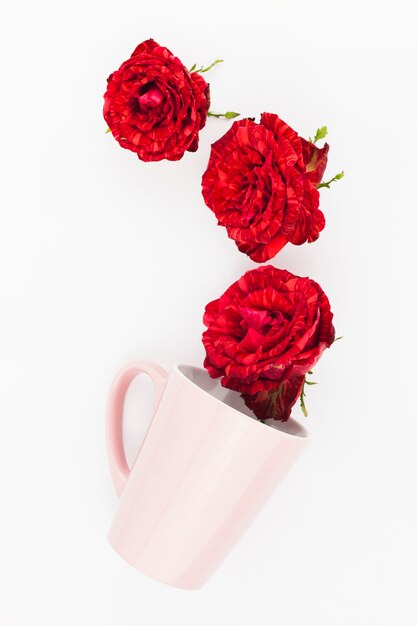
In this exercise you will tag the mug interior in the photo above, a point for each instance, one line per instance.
(201, 378)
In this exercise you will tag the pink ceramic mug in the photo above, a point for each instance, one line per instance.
(204, 470)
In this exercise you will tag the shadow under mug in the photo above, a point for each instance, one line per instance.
(204, 470)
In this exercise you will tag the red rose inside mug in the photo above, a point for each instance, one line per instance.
(261, 184)
(264, 334)
(154, 106)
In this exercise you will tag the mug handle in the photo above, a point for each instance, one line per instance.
(114, 417)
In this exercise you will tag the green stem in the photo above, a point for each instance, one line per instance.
(329, 182)
(303, 394)
(202, 69)
(229, 115)
(302, 402)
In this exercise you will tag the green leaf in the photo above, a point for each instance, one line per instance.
(310, 382)
(108, 131)
(192, 68)
(320, 134)
(338, 338)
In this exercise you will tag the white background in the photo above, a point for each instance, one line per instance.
(105, 259)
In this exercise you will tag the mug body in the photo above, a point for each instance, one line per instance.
(203, 472)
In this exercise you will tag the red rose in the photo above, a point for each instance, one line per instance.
(264, 334)
(154, 106)
(261, 185)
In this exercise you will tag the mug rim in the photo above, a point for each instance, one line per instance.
(301, 435)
